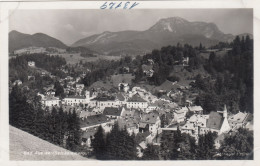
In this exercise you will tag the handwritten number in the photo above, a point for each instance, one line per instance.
(104, 6)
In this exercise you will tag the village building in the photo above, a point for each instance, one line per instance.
(148, 70)
(123, 87)
(74, 100)
(17, 82)
(79, 89)
(113, 112)
(136, 102)
(49, 101)
(196, 109)
(103, 101)
(149, 122)
(238, 120)
(31, 63)
(95, 121)
(217, 122)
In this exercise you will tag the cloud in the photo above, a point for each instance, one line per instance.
(69, 27)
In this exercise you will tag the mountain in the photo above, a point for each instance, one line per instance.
(18, 40)
(168, 31)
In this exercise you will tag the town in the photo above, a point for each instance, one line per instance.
(135, 108)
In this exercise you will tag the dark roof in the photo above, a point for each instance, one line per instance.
(120, 97)
(215, 121)
(112, 111)
(150, 118)
(147, 67)
(93, 120)
(77, 97)
(90, 132)
(104, 98)
(136, 98)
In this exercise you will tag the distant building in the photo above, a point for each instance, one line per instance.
(196, 109)
(123, 87)
(31, 64)
(113, 112)
(17, 82)
(50, 101)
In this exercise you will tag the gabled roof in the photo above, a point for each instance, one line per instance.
(150, 118)
(93, 120)
(75, 97)
(195, 108)
(136, 98)
(215, 121)
(112, 111)
(120, 97)
(147, 67)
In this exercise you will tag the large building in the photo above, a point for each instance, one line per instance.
(137, 102)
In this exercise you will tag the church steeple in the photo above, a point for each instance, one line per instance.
(225, 111)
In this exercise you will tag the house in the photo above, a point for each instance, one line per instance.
(180, 115)
(123, 87)
(131, 125)
(50, 92)
(148, 70)
(79, 88)
(136, 102)
(74, 100)
(87, 136)
(17, 82)
(95, 121)
(196, 109)
(49, 101)
(120, 99)
(238, 120)
(31, 63)
(149, 122)
(113, 112)
(103, 101)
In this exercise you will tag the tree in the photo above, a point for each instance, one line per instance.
(151, 153)
(98, 144)
(238, 146)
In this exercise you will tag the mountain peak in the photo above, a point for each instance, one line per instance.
(169, 24)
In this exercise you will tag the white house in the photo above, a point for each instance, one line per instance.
(74, 100)
(136, 102)
(50, 101)
(31, 63)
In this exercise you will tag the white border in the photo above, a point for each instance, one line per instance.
(4, 127)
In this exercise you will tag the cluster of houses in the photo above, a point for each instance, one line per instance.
(37, 50)
(139, 111)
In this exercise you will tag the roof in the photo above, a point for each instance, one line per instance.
(90, 132)
(167, 85)
(93, 120)
(188, 126)
(75, 97)
(136, 98)
(239, 117)
(50, 98)
(120, 97)
(128, 113)
(150, 118)
(147, 67)
(112, 111)
(215, 121)
(195, 108)
(104, 98)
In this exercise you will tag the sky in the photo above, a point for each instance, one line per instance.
(72, 25)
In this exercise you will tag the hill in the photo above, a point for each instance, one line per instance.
(22, 142)
(168, 31)
(18, 40)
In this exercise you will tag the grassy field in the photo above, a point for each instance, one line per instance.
(24, 146)
(76, 58)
